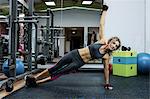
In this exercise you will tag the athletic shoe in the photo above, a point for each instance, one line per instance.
(30, 81)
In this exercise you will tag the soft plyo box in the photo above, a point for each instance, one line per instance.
(124, 60)
(125, 63)
(124, 54)
(125, 70)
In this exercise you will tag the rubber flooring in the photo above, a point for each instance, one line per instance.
(87, 85)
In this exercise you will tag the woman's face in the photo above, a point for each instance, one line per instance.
(113, 45)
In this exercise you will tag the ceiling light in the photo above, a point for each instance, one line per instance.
(50, 3)
(88, 2)
(73, 32)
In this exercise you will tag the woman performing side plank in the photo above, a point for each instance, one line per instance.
(78, 57)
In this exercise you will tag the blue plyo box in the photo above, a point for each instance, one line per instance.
(124, 60)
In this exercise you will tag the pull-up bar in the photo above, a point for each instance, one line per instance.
(42, 17)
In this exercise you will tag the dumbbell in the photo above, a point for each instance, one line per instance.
(125, 48)
(7, 84)
(41, 59)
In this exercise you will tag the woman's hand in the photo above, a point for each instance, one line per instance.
(105, 7)
(108, 86)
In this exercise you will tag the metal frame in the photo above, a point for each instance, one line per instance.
(13, 21)
(52, 32)
(29, 47)
(13, 34)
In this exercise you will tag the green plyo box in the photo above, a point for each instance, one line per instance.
(124, 54)
(125, 70)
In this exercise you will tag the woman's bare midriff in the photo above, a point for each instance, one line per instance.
(85, 54)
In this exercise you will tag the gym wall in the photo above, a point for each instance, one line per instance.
(129, 20)
(147, 26)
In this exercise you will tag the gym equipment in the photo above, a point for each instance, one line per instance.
(125, 54)
(7, 84)
(19, 67)
(41, 59)
(125, 63)
(143, 62)
(127, 60)
(123, 48)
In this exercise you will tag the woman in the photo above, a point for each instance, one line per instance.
(77, 58)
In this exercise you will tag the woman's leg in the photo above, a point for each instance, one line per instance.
(42, 75)
(64, 70)
(43, 80)
(63, 61)
(72, 61)
(47, 74)
(32, 81)
(64, 66)
(67, 59)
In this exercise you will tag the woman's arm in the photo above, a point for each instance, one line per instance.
(106, 60)
(102, 24)
(106, 69)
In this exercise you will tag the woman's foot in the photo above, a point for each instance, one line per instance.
(30, 81)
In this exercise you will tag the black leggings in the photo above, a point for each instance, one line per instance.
(70, 62)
